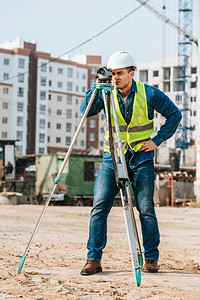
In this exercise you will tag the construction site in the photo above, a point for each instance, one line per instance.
(36, 175)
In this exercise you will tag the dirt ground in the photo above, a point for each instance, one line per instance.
(58, 252)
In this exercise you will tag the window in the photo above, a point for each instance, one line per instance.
(92, 137)
(69, 99)
(93, 70)
(84, 75)
(4, 135)
(166, 73)
(42, 109)
(4, 120)
(102, 130)
(193, 70)
(50, 69)
(59, 98)
(48, 139)
(19, 150)
(88, 171)
(20, 77)
(58, 126)
(5, 75)
(41, 150)
(60, 71)
(101, 144)
(49, 125)
(69, 86)
(144, 75)
(42, 123)
(43, 81)
(69, 113)
(178, 99)
(92, 123)
(76, 115)
(19, 121)
(102, 117)
(41, 138)
(49, 82)
(5, 91)
(155, 73)
(21, 63)
(59, 112)
(68, 127)
(5, 105)
(68, 140)
(166, 86)
(193, 84)
(82, 129)
(76, 101)
(77, 88)
(178, 86)
(77, 75)
(20, 106)
(69, 72)
(82, 143)
(43, 67)
(6, 61)
(49, 111)
(194, 113)
(20, 92)
(42, 95)
(49, 97)
(19, 135)
(83, 89)
(60, 84)
(193, 99)
(58, 140)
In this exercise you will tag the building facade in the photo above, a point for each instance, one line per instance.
(40, 97)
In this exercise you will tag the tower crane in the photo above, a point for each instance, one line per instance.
(170, 22)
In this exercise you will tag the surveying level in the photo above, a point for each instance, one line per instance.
(121, 173)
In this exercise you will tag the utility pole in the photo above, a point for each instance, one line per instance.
(198, 123)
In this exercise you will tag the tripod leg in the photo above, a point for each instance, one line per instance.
(23, 257)
(122, 175)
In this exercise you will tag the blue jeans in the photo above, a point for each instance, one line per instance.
(105, 190)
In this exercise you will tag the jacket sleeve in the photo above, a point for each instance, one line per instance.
(97, 104)
(165, 106)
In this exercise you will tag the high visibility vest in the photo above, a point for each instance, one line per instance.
(139, 128)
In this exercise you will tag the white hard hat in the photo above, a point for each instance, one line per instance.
(120, 59)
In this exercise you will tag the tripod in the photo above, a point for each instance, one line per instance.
(121, 175)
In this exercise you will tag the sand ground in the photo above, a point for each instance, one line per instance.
(52, 267)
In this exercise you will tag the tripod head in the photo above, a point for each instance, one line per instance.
(104, 75)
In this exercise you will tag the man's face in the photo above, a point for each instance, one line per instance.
(121, 78)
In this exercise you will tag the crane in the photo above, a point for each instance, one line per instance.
(170, 22)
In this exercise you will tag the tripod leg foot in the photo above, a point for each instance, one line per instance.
(22, 259)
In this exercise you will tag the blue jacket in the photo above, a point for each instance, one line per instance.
(156, 100)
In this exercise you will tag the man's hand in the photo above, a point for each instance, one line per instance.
(148, 146)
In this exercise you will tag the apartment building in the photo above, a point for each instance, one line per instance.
(13, 95)
(163, 74)
(40, 99)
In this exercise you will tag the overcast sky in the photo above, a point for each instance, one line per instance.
(59, 25)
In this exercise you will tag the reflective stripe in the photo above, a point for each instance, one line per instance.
(124, 145)
(122, 128)
(140, 128)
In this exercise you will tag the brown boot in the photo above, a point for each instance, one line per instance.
(150, 266)
(91, 267)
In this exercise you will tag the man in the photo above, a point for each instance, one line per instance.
(135, 103)
(7, 170)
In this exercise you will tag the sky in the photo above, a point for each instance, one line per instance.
(57, 26)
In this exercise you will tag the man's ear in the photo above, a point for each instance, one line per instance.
(132, 74)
